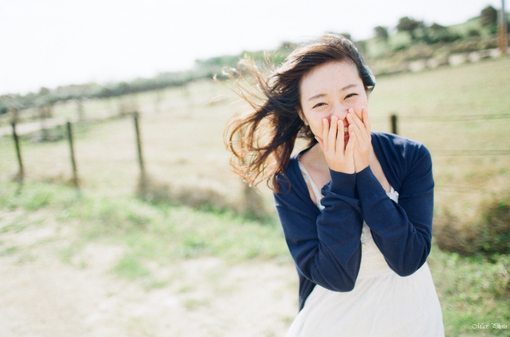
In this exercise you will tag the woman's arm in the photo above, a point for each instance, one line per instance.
(402, 231)
(325, 244)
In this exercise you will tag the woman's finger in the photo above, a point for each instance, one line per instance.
(332, 135)
(340, 134)
(325, 130)
(349, 149)
(356, 120)
(366, 120)
(359, 126)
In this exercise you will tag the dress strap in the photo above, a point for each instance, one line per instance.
(316, 191)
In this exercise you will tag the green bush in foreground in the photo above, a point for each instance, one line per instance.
(488, 235)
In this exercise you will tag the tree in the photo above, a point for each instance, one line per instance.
(409, 25)
(437, 33)
(44, 91)
(381, 33)
(488, 16)
(435, 27)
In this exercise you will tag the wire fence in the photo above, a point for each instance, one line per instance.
(395, 122)
(457, 118)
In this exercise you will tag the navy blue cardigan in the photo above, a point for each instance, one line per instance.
(325, 245)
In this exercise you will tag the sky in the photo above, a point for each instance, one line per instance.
(60, 42)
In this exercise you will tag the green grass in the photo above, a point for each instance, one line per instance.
(155, 232)
(471, 289)
(131, 267)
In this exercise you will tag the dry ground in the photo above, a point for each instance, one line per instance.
(44, 294)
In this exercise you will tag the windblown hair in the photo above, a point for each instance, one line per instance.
(262, 140)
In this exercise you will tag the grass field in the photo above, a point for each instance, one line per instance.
(186, 163)
(183, 145)
(154, 239)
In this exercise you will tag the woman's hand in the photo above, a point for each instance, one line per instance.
(360, 138)
(338, 156)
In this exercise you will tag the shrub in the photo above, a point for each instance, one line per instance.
(488, 235)
(488, 16)
(474, 32)
(400, 47)
(437, 33)
(452, 235)
(495, 235)
(465, 46)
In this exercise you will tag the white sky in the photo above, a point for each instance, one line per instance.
(58, 42)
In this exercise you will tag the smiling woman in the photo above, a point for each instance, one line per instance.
(331, 89)
(355, 205)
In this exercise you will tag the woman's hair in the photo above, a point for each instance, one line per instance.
(262, 140)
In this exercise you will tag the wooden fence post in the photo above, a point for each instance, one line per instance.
(143, 181)
(21, 172)
(394, 126)
(73, 161)
(502, 29)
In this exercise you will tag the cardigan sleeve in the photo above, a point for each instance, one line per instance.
(325, 245)
(402, 231)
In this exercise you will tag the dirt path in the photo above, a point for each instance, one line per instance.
(40, 295)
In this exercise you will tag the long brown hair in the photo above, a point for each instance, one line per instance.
(262, 140)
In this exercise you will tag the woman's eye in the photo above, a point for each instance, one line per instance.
(318, 105)
(351, 95)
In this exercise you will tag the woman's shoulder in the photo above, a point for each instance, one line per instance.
(396, 140)
(289, 175)
(292, 187)
(401, 157)
(292, 171)
(395, 145)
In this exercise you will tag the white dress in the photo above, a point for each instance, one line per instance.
(382, 303)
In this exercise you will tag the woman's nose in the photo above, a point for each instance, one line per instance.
(340, 112)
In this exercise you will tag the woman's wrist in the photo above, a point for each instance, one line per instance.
(347, 169)
(361, 166)
(343, 183)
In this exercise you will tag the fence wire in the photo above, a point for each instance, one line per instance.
(469, 153)
(457, 119)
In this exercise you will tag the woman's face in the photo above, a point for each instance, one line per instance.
(328, 90)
